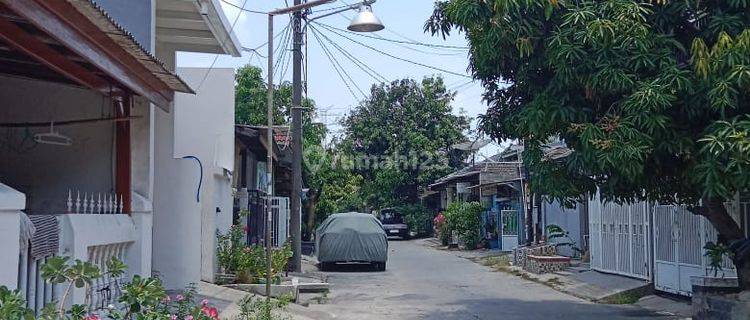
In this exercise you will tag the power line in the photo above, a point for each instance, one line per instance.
(416, 43)
(216, 57)
(361, 65)
(335, 68)
(343, 70)
(393, 56)
(242, 8)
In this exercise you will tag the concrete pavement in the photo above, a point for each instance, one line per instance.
(424, 283)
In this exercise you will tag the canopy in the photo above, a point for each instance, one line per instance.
(351, 237)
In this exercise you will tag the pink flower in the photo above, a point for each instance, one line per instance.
(91, 317)
(204, 302)
(188, 317)
(212, 313)
(173, 317)
(179, 297)
(166, 299)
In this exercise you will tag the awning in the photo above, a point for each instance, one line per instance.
(75, 41)
(195, 26)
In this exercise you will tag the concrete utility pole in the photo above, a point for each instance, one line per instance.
(296, 219)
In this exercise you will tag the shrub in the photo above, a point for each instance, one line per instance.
(465, 219)
(417, 217)
(141, 299)
(249, 263)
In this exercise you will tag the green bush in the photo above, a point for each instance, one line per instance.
(417, 217)
(465, 219)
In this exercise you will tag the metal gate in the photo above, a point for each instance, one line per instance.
(679, 237)
(509, 229)
(619, 238)
(281, 216)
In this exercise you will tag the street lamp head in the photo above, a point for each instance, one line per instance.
(365, 21)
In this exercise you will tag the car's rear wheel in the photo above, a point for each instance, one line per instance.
(380, 266)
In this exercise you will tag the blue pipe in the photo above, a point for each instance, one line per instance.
(200, 182)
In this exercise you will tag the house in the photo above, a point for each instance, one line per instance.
(251, 150)
(662, 244)
(90, 167)
(192, 148)
(498, 183)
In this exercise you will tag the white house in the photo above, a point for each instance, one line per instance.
(88, 155)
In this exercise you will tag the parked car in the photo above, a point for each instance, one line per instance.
(351, 238)
(393, 223)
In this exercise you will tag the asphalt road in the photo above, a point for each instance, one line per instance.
(425, 283)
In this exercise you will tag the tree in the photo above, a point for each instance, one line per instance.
(251, 109)
(651, 96)
(400, 138)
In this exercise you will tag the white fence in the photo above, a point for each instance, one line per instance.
(32, 287)
(106, 290)
(620, 238)
(94, 203)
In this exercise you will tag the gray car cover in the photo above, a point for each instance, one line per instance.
(351, 237)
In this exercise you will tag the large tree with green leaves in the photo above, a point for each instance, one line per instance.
(399, 139)
(651, 96)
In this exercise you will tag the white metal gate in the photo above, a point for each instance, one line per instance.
(619, 238)
(509, 229)
(679, 237)
(281, 216)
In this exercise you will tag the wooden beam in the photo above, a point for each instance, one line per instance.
(35, 48)
(123, 160)
(72, 29)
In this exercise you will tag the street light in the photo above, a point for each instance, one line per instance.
(365, 21)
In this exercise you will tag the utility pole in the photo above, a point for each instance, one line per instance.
(296, 212)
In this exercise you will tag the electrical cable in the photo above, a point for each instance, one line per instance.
(333, 59)
(337, 70)
(416, 43)
(395, 57)
(361, 65)
(216, 57)
(243, 8)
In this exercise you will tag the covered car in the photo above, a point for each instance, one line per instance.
(351, 238)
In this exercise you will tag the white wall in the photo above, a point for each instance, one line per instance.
(204, 128)
(199, 125)
(45, 172)
(12, 203)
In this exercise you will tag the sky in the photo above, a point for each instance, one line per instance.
(404, 21)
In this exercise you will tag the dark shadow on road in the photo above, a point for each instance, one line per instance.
(510, 309)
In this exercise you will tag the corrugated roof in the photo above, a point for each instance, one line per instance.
(127, 41)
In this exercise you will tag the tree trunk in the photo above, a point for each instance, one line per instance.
(729, 232)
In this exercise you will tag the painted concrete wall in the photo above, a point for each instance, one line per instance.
(568, 219)
(12, 203)
(80, 232)
(204, 128)
(134, 15)
(45, 172)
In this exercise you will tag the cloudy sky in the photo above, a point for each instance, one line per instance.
(404, 21)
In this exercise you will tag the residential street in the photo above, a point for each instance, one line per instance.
(422, 282)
